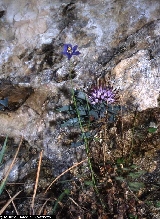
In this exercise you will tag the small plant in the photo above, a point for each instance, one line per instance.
(89, 113)
(2, 152)
(62, 195)
(152, 128)
(129, 175)
(3, 103)
(90, 108)
(116, 181)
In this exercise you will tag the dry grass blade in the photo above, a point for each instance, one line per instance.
(9, 201)
(74, 202)
(10, 167)
(75, 165)
(36, 184)
(41, 209)
(13, 203)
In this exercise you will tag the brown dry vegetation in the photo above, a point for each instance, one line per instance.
(125, 160)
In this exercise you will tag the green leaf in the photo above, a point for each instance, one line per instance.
(120, 161)
(4, 103)
(119, 178)
(2, 185)
(71, 122)
(131, 216)
(66, 192)
(149, 203)
(133, 166)
(3, 150)
(94, 114)
(157, 204)
(136, 186)
(89, 183)
(82, 111)
(135, 175)
(80, 95)
(65, 108)
(152, 130)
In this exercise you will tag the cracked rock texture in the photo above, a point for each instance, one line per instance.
(117, 39)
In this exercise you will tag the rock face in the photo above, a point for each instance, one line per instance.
(117, 39)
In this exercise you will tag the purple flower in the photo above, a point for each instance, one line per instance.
(102, 94)
(69, 51)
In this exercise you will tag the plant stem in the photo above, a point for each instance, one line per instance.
(84, 137)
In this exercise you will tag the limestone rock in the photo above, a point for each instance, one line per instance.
(118, 39)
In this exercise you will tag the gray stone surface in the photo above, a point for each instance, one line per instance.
(118, 39)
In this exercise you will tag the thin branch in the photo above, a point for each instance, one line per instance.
(12, 203)
(9, 201)
(75, 165)
(41, 209)
(36, 184)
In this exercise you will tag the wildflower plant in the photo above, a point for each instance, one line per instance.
(87, 108)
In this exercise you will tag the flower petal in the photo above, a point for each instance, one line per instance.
(65, 48)
(74, 48)
(76, 53)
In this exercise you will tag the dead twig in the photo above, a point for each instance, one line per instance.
(75, 165)
(9, 201)
(12, 203)
(36, 184)
(41, 209)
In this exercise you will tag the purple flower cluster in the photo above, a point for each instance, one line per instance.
(102, 94)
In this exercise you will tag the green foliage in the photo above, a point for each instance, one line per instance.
(150, 203)
(81, 110)
(132, 216)
(157, 204)
(3, 183)
(3, 103)
(71, 122)
(135, 186)
(120, 160)
(129, 175)
(3, 150)
(62, 195)
(89, 183)
(120, 178)
(137, 174)
(152, 130)
(87, 110)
